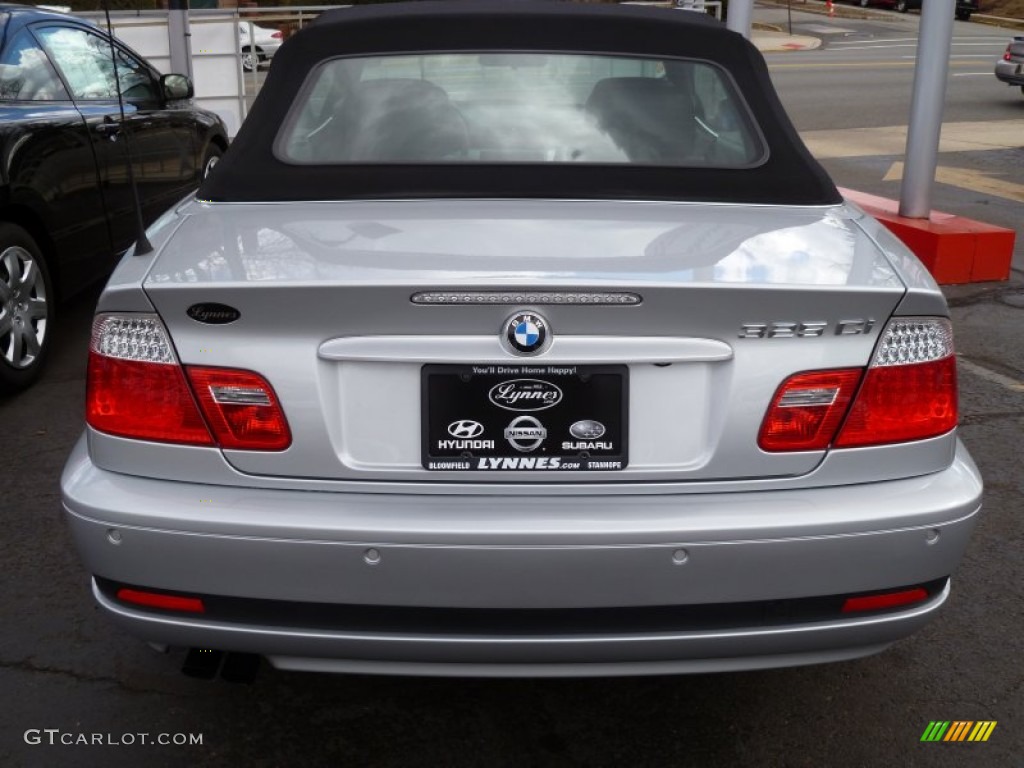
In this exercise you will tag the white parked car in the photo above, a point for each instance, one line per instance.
(259, 44)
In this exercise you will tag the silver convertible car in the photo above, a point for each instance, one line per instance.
(520, 338)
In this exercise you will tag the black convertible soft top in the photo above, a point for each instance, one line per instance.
(251, 172)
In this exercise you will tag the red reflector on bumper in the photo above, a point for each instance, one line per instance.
(887, 600)
(167, 602)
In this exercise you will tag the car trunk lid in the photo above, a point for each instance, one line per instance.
(384, 325)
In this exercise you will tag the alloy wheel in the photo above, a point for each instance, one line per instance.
(23, 307)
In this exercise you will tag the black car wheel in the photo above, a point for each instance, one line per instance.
(26, 308)
(865, 3)
(210, 159)
(963, 15)
(902, 6)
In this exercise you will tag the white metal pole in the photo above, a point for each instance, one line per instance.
(934, 43)
(739, 17)
(178, 34)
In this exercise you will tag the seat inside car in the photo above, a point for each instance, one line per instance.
(399, 119)
(650, 119)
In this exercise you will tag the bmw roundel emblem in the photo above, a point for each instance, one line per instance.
(526, 332)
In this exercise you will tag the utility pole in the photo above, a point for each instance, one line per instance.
(934, 42)
(740, 16)
(178, 37)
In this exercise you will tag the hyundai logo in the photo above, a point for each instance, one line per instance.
(525, 433)
(465, 429)
(526, 333)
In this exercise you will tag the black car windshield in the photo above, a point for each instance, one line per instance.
(499, 107)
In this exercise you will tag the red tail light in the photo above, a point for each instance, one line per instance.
(137, 389)
(901, 403)
(241, 408)
(147, 401)
(807, 410)
(277, 35)
(908, 393)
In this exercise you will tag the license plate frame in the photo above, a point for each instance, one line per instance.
(524, 417)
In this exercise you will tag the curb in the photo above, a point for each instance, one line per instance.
(998, 21)
(787, 44)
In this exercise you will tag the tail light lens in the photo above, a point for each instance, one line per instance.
(136, 388)
(808, 409)
(241, 409)
(909, 392)
(277, 35)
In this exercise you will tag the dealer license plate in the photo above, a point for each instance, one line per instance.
(547, 417)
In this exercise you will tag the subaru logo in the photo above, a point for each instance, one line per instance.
(587, 429)
(526, 332)
(525, 433)
(465, 429)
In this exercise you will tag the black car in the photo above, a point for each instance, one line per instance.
(67, 211)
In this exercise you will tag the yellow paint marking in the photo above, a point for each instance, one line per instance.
(976, 181)
(970, 136)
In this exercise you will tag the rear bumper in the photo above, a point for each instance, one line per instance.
(501, 553)
(1010, 72)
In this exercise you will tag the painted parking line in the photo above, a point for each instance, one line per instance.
(968, 136)
(908, 64)
(968, 178)
(822, 29)
(1006, 382)
(983, 56)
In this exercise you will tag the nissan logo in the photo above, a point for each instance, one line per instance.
(525, 395)
(465, 429)
(525, 433)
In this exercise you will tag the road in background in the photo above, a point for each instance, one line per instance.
(63, 666)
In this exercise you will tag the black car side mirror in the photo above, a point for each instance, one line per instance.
(176, 87)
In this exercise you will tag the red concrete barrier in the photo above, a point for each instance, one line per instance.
(954, 249)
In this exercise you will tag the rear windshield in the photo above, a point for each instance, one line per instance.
(520, 108)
